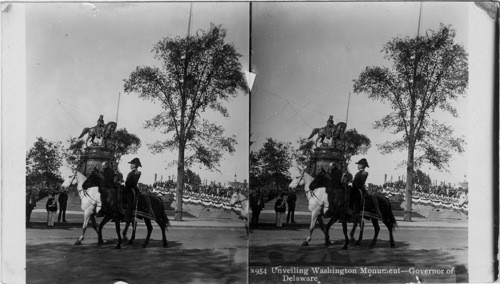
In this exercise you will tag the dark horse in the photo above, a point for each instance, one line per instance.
(376, 207)
(149, 207)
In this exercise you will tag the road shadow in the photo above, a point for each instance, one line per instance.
(357, 256)
(65, 263)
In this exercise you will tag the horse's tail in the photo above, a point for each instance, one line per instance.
(85, 131)
(314, 132)
(388, 215)
(162, 216)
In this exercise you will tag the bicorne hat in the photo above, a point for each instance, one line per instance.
(363, 162)
(136, 162)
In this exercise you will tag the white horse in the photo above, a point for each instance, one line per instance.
(318, 203)
(239, 198)
(91, 201)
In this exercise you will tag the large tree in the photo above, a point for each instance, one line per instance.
(269, 167)
(427, 73)
(43, 161)
(197, 73)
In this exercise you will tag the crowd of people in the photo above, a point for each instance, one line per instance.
(436, 191)
(51, 206)
(212, 190)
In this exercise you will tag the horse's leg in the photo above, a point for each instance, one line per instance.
(150, 229)
(327, 231)
(377, 230)
(314, 218)
(361, 230)
(99, 231)
(117, 227)
(134, 228)
(86, 217)
(353, 230)
(163, 235)
(346, 238)
(125, 230)
(391, 237)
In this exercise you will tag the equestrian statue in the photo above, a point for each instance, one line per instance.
(331, 131)
(101, 131)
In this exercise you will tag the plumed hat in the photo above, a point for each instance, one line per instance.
(363, 162)
(136, 162)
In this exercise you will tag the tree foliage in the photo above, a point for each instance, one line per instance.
(269, 167)
(427, 74)
(197, 73)
(43, 161)
(192, 178)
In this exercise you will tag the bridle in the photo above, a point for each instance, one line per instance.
(308, 190)
(240, 200)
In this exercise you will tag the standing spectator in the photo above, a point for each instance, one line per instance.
(291, 200)
(51, 207)
(280, 209)
(30, 205)
(63, 202)
(257, 204)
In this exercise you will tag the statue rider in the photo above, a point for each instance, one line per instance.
(131, 191)
(100, 126)
(329, 127)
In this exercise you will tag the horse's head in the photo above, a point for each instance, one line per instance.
(236, 197)
(297, 181)
(69, 181)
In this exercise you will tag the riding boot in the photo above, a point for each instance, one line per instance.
(329, 212)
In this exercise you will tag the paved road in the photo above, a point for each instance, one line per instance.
(194, 255)
(416, 248)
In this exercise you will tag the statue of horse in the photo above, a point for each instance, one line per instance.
(93, 132)
(149, 207)
(318, 203)
(332, 133)
(239, 198)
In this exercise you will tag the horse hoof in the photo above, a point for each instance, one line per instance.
(304, 244)
(118, 247)
(344, 247)
(130, 242)
(353, 240)
(357, 243)
(165, 245)
(327, 243)
(77, 243)
(393, 245)
(144, 245)
(125, 239)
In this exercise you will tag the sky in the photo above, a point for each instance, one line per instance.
(78, 55)
(306, 56)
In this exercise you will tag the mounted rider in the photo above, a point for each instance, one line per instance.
(358, 193)
(131, 191)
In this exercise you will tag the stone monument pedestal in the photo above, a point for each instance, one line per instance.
(93, 157)
(323, 156)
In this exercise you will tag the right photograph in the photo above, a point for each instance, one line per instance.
(358, 143)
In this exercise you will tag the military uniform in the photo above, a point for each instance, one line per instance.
(131, 191)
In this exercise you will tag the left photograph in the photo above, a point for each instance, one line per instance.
(137, 138)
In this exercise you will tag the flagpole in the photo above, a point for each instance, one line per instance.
(348, 102)
(118, 108)
(189, 24)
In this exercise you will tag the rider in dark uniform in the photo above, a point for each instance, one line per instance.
(131, 191)
(358, 184)
(335, 182)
